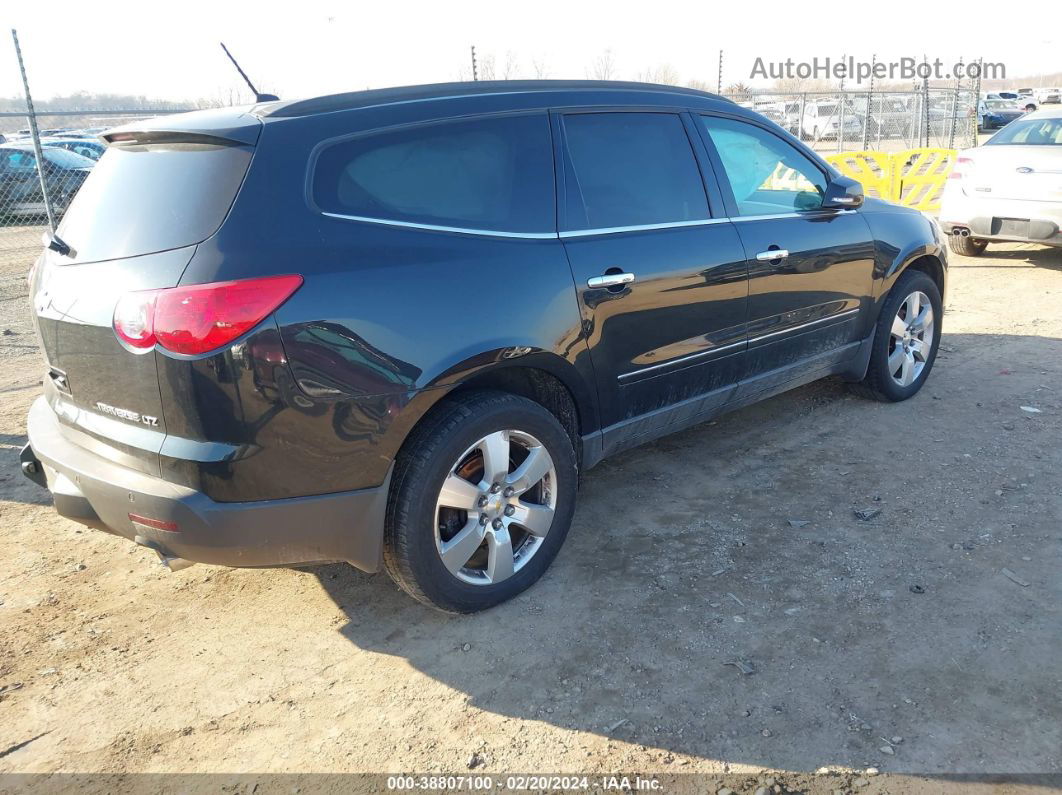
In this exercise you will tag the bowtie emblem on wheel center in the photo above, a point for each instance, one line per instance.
(495, 505)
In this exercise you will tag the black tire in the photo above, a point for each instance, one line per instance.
(410, 553)
(967, 246)
(878, 384)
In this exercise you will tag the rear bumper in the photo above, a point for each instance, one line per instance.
(89, 489)
(1001, 219)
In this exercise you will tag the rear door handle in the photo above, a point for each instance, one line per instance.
(610, 280)
(772, 254)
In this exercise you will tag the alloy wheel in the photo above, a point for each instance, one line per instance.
(911, 339)
(495, 507)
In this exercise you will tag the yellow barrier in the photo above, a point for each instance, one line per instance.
(872, 169)
(914, 178)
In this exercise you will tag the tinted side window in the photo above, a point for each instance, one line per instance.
(767, 175)
(494, 174)
(630, 169)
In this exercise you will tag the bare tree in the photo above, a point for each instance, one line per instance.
(738, 90)
(485, 67)
(540, 67)
(797, 85)
(700, 85)
(664, 74)
(604, 67)
(511, 66)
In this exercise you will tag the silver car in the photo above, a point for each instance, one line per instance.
(1009, 188)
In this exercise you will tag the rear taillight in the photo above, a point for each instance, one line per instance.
(199, 318)
(134, 319)
(962, 168)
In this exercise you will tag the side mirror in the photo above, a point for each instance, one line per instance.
(843, 193)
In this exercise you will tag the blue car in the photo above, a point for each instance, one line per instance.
(86, 147)
(995, 113)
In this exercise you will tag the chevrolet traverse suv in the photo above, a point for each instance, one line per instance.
(392, 327)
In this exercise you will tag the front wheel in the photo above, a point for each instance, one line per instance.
(482, 499)
(905, 340)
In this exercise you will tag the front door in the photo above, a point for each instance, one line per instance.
(662, 283)
(811, 269)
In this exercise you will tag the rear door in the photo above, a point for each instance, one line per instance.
(134, 225)
(661, 279)
(811, 270)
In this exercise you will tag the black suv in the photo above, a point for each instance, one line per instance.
(391, 327)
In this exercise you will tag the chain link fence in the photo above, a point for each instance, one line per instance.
(69, 150)
(830, 122)
(884, 121)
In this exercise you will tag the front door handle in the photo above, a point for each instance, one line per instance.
(772, 254)
(610, 280)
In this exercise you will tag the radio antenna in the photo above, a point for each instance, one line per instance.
(258, 97)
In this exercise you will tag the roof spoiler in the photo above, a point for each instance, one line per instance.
(217, 126)
(143, 137)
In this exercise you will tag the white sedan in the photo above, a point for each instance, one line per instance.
(1009, 188)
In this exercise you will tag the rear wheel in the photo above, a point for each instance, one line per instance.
(967, 246)
(905, 341)
(482, 500)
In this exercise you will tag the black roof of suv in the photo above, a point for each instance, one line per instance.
(603, 89)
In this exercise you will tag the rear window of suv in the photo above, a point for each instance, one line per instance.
(145, 198)
(490, 174)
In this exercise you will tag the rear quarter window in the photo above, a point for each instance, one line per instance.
(488, 174)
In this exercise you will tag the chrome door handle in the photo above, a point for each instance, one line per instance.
(610, 280)
(776, 253)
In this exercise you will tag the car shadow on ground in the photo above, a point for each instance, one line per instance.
(1038, 257)
(718, 597)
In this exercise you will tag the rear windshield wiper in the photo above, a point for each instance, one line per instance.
(55, 243)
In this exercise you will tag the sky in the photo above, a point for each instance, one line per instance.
(312, 47)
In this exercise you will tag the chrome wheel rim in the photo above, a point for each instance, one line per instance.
(911, 339)
(495, 507)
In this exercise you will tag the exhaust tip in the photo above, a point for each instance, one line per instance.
(168, 562)
(174, 564)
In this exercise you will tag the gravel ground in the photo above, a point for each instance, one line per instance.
(899, 642)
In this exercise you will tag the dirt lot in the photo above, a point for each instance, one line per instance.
(897, 642)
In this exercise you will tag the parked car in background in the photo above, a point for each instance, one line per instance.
(26, 133)
(1026, 100)
(995, 113)
(773, 114)
(790, 111)
(889, 116)
(83, 132)
(20, 185)
(1008, 95)
(1009, 188)
(393, 327)
(91, 148)
(824, 120)
(1049, 96)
